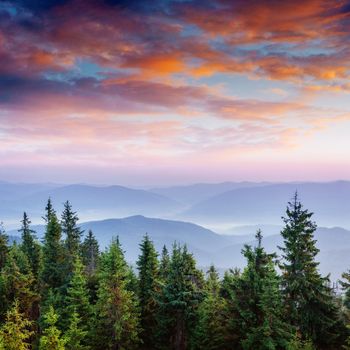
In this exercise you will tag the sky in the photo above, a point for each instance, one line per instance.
(174, 91)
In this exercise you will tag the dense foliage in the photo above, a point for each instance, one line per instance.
(64, 293)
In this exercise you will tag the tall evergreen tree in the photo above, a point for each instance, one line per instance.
(49, 211)
(259, 302)
(179, 300)
(345, 284)
(77, 300)
(72, 232)
(309, 301)
(90, 253)
(90, 256)
(164, 263)
(18, 281)
(51, 337)
(3, 246)
(212, 330)
(148, 289)
(30, 246)
(53, 275)
(15, 334)
(75, 337)
(117, 314)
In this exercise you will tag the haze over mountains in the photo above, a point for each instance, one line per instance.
(185, 214)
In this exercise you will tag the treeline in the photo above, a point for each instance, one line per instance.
(64, 293)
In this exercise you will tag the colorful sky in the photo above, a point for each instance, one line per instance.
(166, 91)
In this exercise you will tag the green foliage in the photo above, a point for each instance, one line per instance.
(117, 313)
(148, 288)
(77, 299)
(53, 274)
(51, 338)
(15, 334)
(3, 246)
(18, 281)
(30, 246)
(90, 253)
(72, 233)
(179, 300)
(309, 302)
(259, 302)
(212, 330)
(101, 303)
(75, 337)
(297, 344)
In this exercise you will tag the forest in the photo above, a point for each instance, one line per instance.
(65, 293)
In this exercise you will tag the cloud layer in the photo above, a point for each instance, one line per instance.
(122, 84)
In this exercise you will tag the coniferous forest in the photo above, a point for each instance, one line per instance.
(65, 293)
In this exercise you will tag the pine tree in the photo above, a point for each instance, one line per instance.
(117, 314)
(50, 211)
(53, 275)
(15, 334)
(71, 231)
(179, 300)
(30, 246)
(75, 337)
(90, 253)
(18, 281)
(51, 338)
(90, 256)
(164, 263)
(77, 299)
(212, 331)
(3, 246)
(345, 284)
(259, 302)
(148, 289)
(309, 301)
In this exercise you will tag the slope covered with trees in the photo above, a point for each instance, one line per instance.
(63, 293)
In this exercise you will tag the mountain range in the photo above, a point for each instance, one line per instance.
(218, 206)
(209, 247)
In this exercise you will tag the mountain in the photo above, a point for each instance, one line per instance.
(209, 247)
(130, 230)
(266, 204)
(191, 194)
(91, 202)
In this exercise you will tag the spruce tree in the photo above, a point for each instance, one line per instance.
(164, 263)
(15, 334)
(49, 211)
(30, 246)
(71, 231)
(310, 305)
(18, 281)
(90, 253)
(259, 302)
(117, 314)
(76, 335)
(179, 299)
(51, 337)
(90, 256)
(345, 284)
(77, 299)
(3, 246)
(148, 290)
(53, 275)
(212, 329)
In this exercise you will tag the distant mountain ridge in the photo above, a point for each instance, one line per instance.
(266, 204)
(229, 203)
(208, 246)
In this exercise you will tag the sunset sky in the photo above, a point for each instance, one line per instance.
(160, 92)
